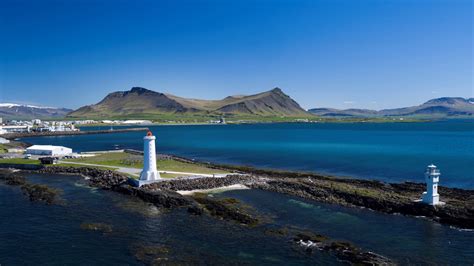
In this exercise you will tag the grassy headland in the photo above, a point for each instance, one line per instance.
(123, 159)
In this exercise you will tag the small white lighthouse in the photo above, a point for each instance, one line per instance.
(149, 173)
(431, 196)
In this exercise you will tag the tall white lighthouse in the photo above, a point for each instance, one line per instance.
(149, 173)
(431, 196)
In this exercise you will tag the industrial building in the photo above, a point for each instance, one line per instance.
(48, 150)
(14, 129)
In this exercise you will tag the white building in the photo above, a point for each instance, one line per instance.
(48, 150)
(431, 196)
(14, 129)
(149, 173)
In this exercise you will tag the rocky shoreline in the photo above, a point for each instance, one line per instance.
(164, 195)
(375, 195)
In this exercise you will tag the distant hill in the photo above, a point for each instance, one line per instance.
(140, 101)
(21, 111)
(440, 107)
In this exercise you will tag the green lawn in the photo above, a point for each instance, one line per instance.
(80, 165)
(123, 159)
(19, 161)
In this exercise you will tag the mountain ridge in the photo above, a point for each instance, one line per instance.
(140, 100)
(24, 111)
(443, 106)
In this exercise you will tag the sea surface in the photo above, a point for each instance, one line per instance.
(33, 233)
(392, 152)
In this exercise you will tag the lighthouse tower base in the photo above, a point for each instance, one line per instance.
(147, 177)
(431, 199)
(139, 183)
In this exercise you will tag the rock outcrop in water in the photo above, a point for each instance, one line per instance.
(35, 192)
(43, 193)
(375, 195)
(342, 250)
(99, 227)
(226, 209)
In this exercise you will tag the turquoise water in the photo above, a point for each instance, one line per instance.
(36, 234)
(392, 152)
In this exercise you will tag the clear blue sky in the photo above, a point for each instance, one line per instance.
(333, 53)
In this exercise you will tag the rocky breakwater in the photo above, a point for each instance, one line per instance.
(203, 183)
(384, 197)
(163, 194)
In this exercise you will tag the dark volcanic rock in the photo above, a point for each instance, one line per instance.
(35, 192)
(150, 254)
(342, 250)
(43, 193)
(225, 209)
(13, 179)
(105, 179)
(388, 198)
(375, 195)
(201, 183)
(162, 198)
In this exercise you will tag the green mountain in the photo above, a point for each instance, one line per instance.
(141, 102)
(439, 107)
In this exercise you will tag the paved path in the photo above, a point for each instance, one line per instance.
(136, 171)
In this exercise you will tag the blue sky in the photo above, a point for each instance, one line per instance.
(332, 53)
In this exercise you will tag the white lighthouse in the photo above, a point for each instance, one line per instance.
(149, 173)
(431, 196)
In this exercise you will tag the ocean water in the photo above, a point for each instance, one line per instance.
(34, 233)
(392, 152)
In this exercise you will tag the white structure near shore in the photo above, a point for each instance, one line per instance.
(48, 150)
(149, 173)
(431, 196)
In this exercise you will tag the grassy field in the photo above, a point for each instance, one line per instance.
(123, 159)
(112, 161)
(19, 161)
(80, 165)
